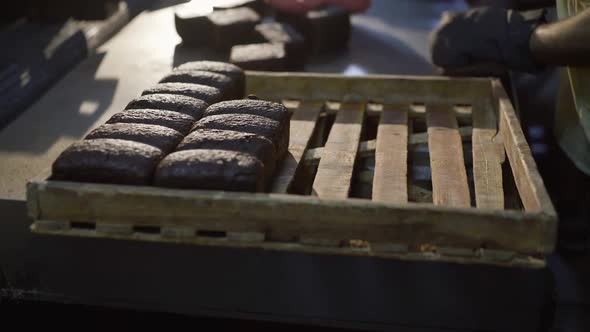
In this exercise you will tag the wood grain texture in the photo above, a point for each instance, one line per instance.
(529, 183)
(390, 181)
(509, 235)
(335, 169)
(488, 157)
(408, 89)
(291, 214)
(528, 180)
(449, 177)
(367, 148)
(303, 123)
(386, 251)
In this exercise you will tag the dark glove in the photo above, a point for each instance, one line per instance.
(484, 35)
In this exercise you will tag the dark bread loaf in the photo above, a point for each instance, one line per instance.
(268, 109)
(177, 121)
(326, 29)
(167, 102)
(255, 145)
(208, 94)
(163, 138)
(295, 47)
(222, 82)
(257, 5)
(193, 25)
(234, 72)
(248, 123)
(107, 161)
(233, 26)
(211, 170)
(263, 56)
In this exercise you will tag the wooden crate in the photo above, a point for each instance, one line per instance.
(389, 166)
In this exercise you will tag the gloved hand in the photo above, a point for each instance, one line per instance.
(484, 35)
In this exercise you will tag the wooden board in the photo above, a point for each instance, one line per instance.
(390, 182)
(488, 157)
(449, 177)
(303, 123)
(455, 133)
(530, 185)
(334, 87)
(334, 173)
(302, 216)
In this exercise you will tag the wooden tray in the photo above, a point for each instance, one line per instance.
(389, 166)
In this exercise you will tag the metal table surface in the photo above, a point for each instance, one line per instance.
(342, 291)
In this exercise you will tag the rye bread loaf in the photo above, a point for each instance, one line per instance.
(208, 94)
(107, 161)
(163, 138)
(177, 121)
(220, 81)
(248, 123)
(211, 170)
(257, 5)
(232, 71)
(233, 26)
(258, 146)
(268, 109)
(260, 56)
(193, 25)
(295, 47)
(326, 29)
(168, 102)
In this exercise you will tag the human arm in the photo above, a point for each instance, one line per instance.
(563, 43)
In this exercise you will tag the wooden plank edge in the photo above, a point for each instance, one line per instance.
(272, 86)
(390, 178)
(334, 175)
(530, 184)
(449, 175)
(306, 113)
(488, 258)
(35, 185)
(507, 230)
(488, 156)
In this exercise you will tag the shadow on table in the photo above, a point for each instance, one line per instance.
(71, 115)
(34, 57)
(373, 50)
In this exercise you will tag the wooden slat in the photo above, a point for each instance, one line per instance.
(449, 177)
(528, 180)
(390, 181)
(533, 195)
(321, 86)
(303, 124)
(488, 157)
(367, 148)
(388, 251)
(334, 173)
(411, 224)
